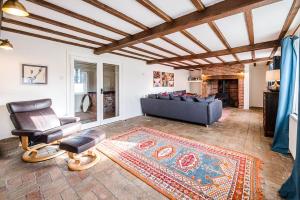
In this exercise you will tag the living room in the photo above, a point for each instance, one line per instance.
(149, 99)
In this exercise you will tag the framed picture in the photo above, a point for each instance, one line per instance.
(163, 79)
(34, 74)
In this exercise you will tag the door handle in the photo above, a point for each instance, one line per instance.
(101, 91)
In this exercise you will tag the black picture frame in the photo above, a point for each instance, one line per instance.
(36, 71)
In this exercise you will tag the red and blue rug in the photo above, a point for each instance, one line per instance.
(184, 169)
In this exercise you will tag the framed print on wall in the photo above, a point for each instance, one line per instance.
(163, 79)
(34, 74)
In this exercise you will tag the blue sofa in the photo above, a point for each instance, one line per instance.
(204, 112)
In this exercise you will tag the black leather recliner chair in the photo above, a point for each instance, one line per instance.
(38, 126)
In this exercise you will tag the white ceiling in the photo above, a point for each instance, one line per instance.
(268, 21)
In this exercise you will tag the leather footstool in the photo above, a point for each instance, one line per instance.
(80, 146)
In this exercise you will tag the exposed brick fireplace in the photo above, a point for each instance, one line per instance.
(226, 82)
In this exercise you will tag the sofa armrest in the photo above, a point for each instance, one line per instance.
(214, 111)
(68, 120)
(28, 133)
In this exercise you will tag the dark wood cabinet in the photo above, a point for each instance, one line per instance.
(270, 112)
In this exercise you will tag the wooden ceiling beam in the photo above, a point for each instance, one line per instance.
(136, 58)
(39, 28)
(150, 6)
(161, 49)
(197, 42)
(226, 63)
(77, 16)
(250, 30)
(198, 4)
(128, 56)
(69, 27)
(176, 45)
(241, 49)
(181, 47)
(214, 12)
(219, 34)
(146, 51)
(116, 13)
(288, 21)
(157, 11)
(45, 37)
(137, 54)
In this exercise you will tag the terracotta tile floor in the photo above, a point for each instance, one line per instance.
(240, 131)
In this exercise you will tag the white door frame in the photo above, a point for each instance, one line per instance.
(70, 78)
(120, 117)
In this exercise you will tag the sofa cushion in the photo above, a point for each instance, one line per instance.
(152, 96)
(164, 96)
(187, 98)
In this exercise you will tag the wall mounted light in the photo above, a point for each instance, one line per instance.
(5, 44)
(14, 7)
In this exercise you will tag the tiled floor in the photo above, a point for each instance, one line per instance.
(240, 131)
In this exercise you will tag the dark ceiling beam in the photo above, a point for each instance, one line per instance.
(164, 16)
(77, 16)
(200, 7)
(198, 4)
(214, 12)
(219, 34)
(250, 30)
(116, 13)
(146, 51)
(179, 47)
(45, 37)
(69, 27)
(39, 28)
(136, 58)
(241, 49)
(288, 21)
(128, 56)
(226, 63)
(150, 6)
(161, 49)
(137, 54)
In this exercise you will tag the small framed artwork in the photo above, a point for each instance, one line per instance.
(34, 74)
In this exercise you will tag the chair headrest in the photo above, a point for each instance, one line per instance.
(28, 106)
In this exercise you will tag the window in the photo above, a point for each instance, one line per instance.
(295, 106)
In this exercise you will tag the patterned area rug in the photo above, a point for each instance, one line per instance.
(184, 169)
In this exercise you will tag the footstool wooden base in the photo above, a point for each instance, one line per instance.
(82, 146)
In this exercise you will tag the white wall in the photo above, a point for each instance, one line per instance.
(136, 77)
(257, 84)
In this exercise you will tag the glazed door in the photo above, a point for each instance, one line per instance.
(111, 93)
(86, 92)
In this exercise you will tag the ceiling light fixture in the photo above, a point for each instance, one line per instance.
(14, 7)
(5, 44)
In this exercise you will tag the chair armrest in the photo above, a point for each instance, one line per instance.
(28, 133)
(68, 120)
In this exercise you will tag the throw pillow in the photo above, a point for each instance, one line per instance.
(163, 96)
(152, 96)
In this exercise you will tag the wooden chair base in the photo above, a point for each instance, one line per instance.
(32, 153)
(75, 163)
